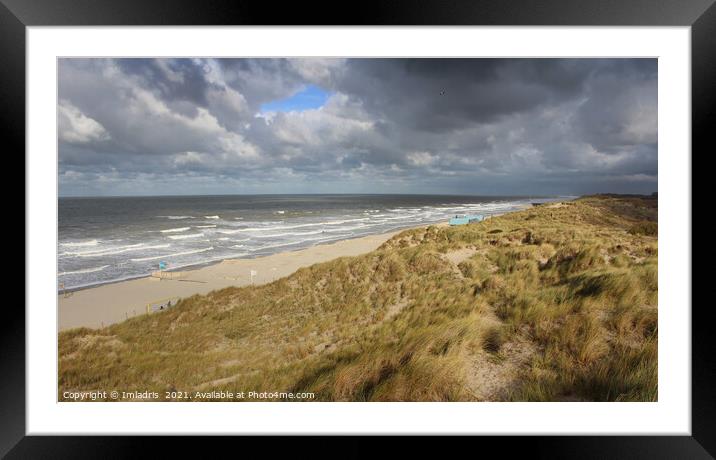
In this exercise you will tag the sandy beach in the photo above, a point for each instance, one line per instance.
(112, 303)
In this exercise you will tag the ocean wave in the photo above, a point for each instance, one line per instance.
(183, 237)
(345, 228)
(269, 227)
(205, 226)
(247, 229)
(332, 238)
(177, 217)
(226, 231)
(212, 217)
(176, 254)
(115, 250)
(80, 244)
(175, 230)
(345, 221)
(285, 227)
(296, 243)
(273, 235)
(277, 245)
(443, 208)
(398, 217)
(85, 270)
(230, 232)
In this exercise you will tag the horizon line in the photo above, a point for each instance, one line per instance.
(328, 194)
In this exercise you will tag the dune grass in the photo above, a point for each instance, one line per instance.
(553, 303)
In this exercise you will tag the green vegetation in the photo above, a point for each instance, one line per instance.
(554, 303)
(644, 228)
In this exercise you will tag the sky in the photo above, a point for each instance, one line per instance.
(327, 125)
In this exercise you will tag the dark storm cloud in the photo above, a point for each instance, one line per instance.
(390, 125)
(445, 94)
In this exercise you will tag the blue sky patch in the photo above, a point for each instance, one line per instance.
(310, 97)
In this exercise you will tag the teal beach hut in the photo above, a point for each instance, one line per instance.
(462, 219)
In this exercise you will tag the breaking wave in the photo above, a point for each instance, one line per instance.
(183, 237)
(85, 270)
(175, 230)
(80, 244)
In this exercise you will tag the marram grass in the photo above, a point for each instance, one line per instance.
(553, 303)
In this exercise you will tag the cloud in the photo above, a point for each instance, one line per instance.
(484, 126)
(77, 128)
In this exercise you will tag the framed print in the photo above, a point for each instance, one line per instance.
(433, 219)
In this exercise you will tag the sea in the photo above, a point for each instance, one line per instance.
(108, 239)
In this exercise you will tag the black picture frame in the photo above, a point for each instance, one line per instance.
(700, 15)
